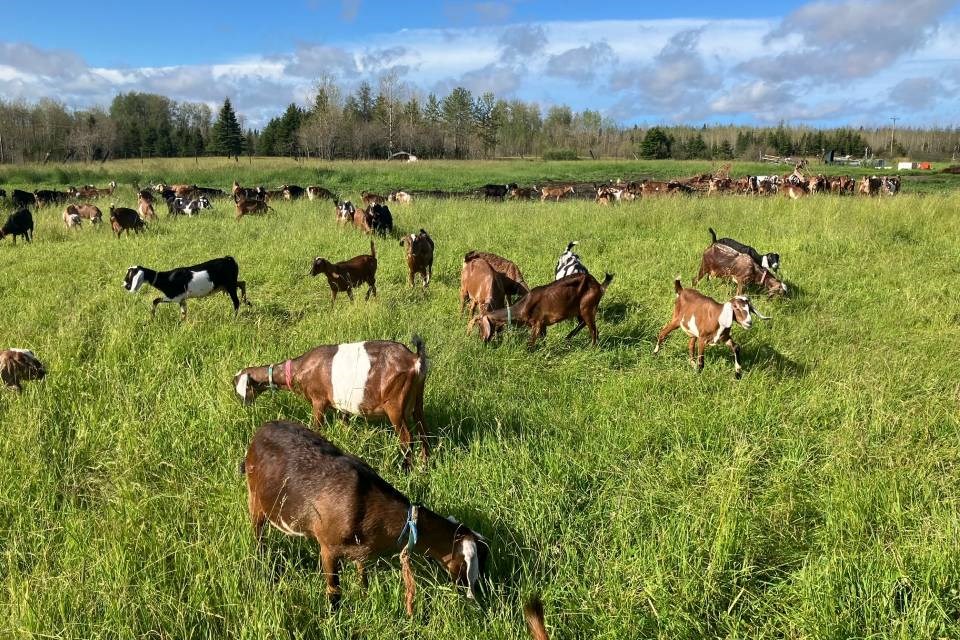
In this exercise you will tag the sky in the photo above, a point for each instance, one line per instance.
(822, 63)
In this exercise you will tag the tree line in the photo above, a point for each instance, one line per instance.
(375, 122)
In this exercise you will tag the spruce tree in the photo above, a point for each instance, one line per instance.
(227, 135)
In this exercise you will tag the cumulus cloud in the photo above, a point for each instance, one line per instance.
(522, 42)
(316, 60)
(502, 80)
(918, 93)
(581, 64)
(53, 63)
(850, 39)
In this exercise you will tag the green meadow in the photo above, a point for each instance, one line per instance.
(816, 497)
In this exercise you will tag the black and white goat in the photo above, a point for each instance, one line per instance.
(198, 281)
(769, 261)
(569, 263)
(188, 206)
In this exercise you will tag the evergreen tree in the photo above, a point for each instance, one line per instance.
(227, 135)
(656, 144)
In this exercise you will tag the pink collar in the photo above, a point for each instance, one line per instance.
(287, 373)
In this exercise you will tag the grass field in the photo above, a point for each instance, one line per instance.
(817, 497)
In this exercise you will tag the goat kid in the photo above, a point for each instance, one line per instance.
(181, 284)
(304, 485)
(19, 365)
(569, 263)
(706, 321)
(721, 261)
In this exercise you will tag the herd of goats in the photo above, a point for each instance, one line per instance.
(303, 484)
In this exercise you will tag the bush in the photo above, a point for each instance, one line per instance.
(560, 154)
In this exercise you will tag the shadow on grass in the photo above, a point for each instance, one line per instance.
(768, 358)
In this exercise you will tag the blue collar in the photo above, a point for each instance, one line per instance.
(410, 528)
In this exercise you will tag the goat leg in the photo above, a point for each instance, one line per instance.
(693, 358)
(701, 345)
(577, 328)
(735, 348)
(362, 574)
(331, 571)
(668, 328)
(242, 286)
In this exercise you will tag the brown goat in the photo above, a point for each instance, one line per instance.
(71, 217)
(793, 190)
(124, 219)
(513, 282)
(369, 198)
(371, 379)
(19, 365)
(721, 261)
(419, 250)
(869, 186)
(555, 192)
(344, 276)
(246, 207)
(576, 296)
(90, 212)
(304, 485)
(704, 319)
(482, 285)
(145, 207)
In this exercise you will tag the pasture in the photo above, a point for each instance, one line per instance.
(817, 497)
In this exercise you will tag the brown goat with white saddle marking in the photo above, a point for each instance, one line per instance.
(304, 485)
(373, 378)
(576, 296)
(707, 321)
(721, 261)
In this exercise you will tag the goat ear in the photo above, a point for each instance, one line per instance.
(468, 548)
(242, 383)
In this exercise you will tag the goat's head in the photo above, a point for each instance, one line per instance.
(246, 387)
(468, 559)
(134, 279)
(320, 265)
(742, 312)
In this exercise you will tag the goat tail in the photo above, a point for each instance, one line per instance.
(533, 612)
(677, 286)
(373, 249)
(242, 467)
(421, 350)
(607, 279)
(713, 234)
(470, 255)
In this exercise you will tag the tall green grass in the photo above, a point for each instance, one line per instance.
(817, 497)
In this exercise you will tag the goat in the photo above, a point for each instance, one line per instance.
(195, 205)
(181, 284)
(658, 188)
(524, 193)
(869, 186)
(576, 296)
(316, 193)
(794, 191)
(703, 318)
(145, 208)
(46, 197)
(890, 185)
(346, 212)
(208, 192)
(496, 191)
(401, 197)
(21, 199)
(767, 261)
(482, 285)
(247, 193)
(512, 279)
(370, 379)
(87, 212)
(378, 219)
(344, 276)
(368, 198)
(721, 261)
(419, 249)
(247, 207)
(292, 191)
(555, 192)
(124, 219)
(303, 485)
(90, 191)
(71, 217)
(19, 365)
(19, 223)
(569, 263)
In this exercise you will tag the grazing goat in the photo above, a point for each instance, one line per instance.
(303, 485)
(196, 205)
(658, 188)
(247, 207)
(767, 261)
(369, 198)
(482, 285)
(344, 276)
(46, 197)
(512, 279)
(419, 249)
(20, 199)
(315, 193)
(19, 223)
(292, 191)
(794, 191)
(124, 219)
(721, 261)
(71, 217)
(555, 192)
(869, 186)
(198, 281)
(370, 379)
(401, 197)
(576, 296)
(524, 193)
(378, 219)
(569, 263)
(89, 212)
(704, 319)
(19, 365)
(496, 191)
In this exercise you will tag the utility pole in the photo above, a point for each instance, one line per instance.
(893, 133)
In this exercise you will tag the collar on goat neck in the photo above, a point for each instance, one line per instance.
(287, 366)
(410, 529)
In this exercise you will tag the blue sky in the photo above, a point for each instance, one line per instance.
(824, 62)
